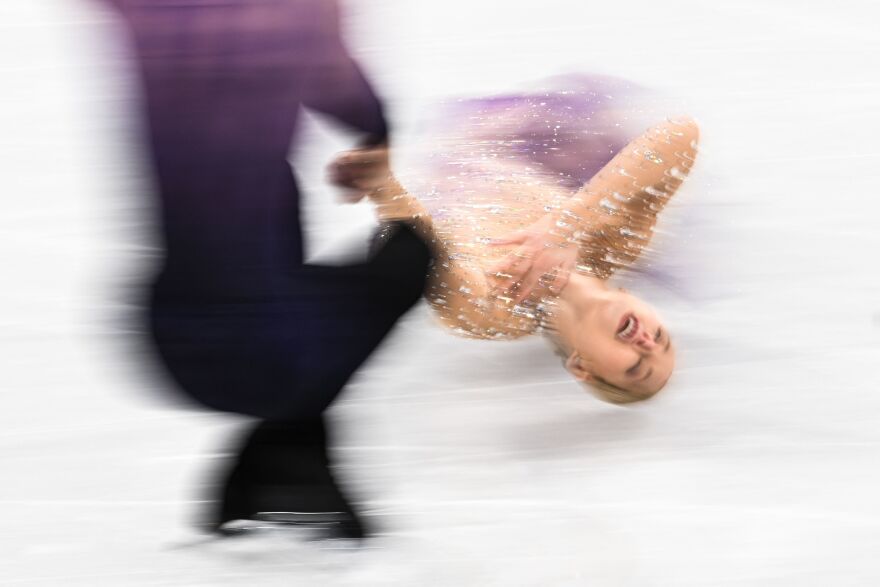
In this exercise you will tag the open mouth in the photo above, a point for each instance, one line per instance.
(628, 328)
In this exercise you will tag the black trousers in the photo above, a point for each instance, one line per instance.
(287, 357)
(284, 360)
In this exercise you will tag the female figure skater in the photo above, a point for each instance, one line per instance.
(521, 166)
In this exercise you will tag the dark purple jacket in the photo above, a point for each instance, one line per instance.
(223, 82)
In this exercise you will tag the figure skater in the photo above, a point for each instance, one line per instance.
(237, 319)
(556, 171)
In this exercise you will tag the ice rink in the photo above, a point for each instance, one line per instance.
(481, 463)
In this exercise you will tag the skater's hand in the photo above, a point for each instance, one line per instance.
(360, 171)
(540, 259)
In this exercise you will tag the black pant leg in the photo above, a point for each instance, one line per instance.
(288, 358)
(282, 463)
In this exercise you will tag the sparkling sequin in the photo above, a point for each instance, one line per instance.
(607, 206)
(483, 189)
(652, 157)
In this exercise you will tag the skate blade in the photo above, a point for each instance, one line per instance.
(309, 525)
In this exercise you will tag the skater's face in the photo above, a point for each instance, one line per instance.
(622, 341)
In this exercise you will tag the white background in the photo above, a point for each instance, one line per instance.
(481, 463)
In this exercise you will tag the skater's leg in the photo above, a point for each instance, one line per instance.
(282, 464)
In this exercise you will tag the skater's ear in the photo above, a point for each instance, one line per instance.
(580, 370)
(576, 365)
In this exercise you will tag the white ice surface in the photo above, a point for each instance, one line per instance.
(482, 463)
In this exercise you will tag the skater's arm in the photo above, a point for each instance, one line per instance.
(334, 83)
(615, 213)
(366, 173)
(459, 290)
(611, 218)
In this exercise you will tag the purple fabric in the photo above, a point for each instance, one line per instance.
(222, 82)
(570, 126)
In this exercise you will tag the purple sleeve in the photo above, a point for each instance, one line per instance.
(336, 84)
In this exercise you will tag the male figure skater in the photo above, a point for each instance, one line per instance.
(241, 324)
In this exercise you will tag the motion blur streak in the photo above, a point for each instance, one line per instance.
(488, 466)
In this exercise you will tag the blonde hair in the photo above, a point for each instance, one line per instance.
(597, 386)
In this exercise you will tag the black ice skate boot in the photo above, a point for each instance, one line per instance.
(282, 480)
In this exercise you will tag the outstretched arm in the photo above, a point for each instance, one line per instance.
(459, 291)
(367, 173)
